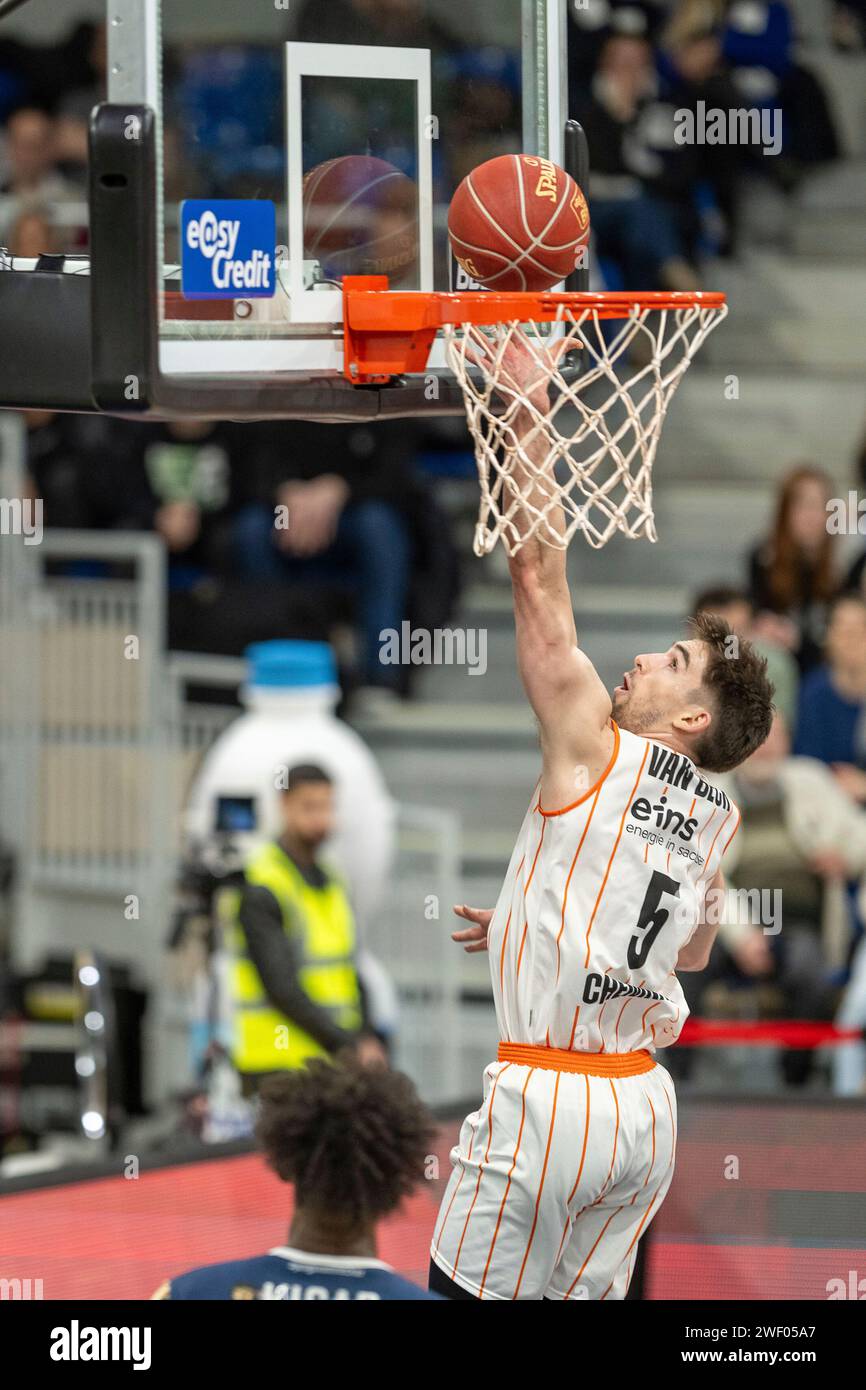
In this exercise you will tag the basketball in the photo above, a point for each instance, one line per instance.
(361, 218)
(518, 223)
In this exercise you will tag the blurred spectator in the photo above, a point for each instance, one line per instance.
(801, 837)
(399, 23)
(29, 173)
(41, 75)
(848, 25)
(177, 479)
(832, 718)
(758, 44)
(484, 116)
(592, 22)
(704, 178)
(659, 203)
(14, 90)
(857, 575)
(633, 226)
(54, 468)
(736, 607)
(180, 479)
(334, 508)
(32, 234)
(793, 573)
(89, 88)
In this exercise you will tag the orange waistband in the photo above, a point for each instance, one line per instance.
(588, 1063)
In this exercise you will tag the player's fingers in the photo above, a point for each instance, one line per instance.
(481, 915)
(469, 934)
(563, 347)
(478, 351)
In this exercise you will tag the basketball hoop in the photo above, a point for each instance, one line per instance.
(594, 444)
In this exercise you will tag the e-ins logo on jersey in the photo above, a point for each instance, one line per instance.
(228, 248)
(664, 817)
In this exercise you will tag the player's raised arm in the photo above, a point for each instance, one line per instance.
(565, 691)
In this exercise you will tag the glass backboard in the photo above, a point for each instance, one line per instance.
(350, 124)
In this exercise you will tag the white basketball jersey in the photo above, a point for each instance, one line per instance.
(599, 899)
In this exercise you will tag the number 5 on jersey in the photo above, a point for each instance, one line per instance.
(651, 918)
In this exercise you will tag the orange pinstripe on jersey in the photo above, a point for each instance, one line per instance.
(595, 1246)
(508, 1183)
(571, 871)
(614, 850)
(653, 1159)
(480, 1167)
(526, 890)
(708, 875)
(583, 1150)
(540, 1187)
(615, 1137)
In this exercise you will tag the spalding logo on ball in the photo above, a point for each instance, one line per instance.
(518, 223)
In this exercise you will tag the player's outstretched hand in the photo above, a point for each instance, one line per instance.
(524, 366)
(473, 938)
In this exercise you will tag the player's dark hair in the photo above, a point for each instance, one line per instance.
(740, 694)
(351, 1139)
(307, 774)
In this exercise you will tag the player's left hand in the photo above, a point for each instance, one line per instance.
(525, 368)
(474, 938)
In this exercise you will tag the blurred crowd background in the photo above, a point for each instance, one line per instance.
(374, 538)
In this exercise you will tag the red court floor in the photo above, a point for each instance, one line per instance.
(792, 1220)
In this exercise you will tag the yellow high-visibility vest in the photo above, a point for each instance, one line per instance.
(322, 929)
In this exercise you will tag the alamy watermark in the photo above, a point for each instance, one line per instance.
(846, 516)
(20, 1289)
(752, 907)
(439, 647)
(22, 516)
(737, 126)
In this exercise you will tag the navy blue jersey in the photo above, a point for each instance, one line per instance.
(297, 1276)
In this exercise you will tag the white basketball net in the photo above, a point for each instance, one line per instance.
(594, 446)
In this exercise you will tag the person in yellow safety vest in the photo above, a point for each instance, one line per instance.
(295, 990)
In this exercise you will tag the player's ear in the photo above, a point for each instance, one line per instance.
(694, 719)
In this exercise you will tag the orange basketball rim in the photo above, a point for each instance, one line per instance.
(594, 444)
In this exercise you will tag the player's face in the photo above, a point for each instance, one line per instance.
(659, 687)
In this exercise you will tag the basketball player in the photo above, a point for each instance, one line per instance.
(353, 1140)
(558, 1173)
